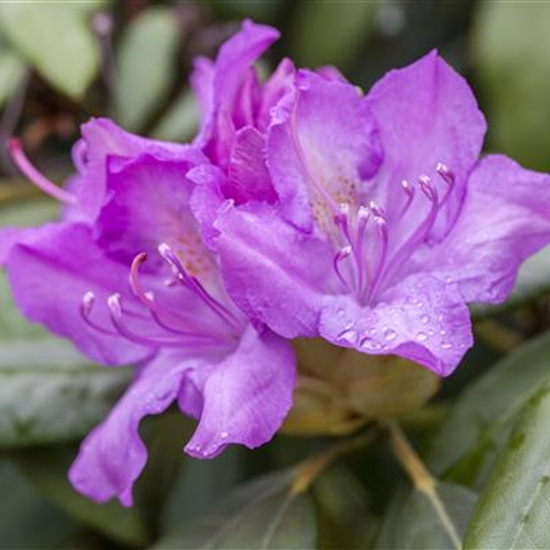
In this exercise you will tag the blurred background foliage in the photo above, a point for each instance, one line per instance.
(485, 438)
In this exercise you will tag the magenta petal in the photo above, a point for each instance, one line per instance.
(427, 114)
(423, 320)
(113, 455)
(149, 205)
(322, 145)
(246, 397)
(248, 178)
(505, 219)
(50, 273)
(273, 272)
(102, 138)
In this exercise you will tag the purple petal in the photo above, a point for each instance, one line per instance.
(322, 145)
(273, 272)
(427, 114)
(248, 178)
(505, 219)
(149, 205)
(51, 270)
(113, 455)
(246, 397)
(422, 319)
(102, 138)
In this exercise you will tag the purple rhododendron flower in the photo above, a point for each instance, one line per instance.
(302, 208)
(126, 276)
(387, 222)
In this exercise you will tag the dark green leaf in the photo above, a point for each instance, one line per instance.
(264, 514)
(55, 38)
(481, 420)
(510, 50)
(27, 520)
(47, 469)
(146, 57)
(513, 508)
(414, 521)
(345, 520)
(329, 32)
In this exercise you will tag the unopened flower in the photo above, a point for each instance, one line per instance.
(126, 276)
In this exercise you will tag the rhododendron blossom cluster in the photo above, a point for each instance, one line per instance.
(303, 208)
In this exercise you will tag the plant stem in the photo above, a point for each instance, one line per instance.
(421, 478)
(311, 468)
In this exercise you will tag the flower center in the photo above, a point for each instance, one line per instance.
(372, 248)
(156, 325)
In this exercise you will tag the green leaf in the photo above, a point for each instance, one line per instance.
(513, 509)
(181, 120)
(27, 520)
(533, 281)
(47, 469)
(264, 514)
(324, 33)
(146, 56)
(345, 520)
(413, 521)
(12, 71)
(55, 38)
(482, 418)
(510, 52)
(48, 392)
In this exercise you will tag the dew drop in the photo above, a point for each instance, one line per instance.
(430, 332)
(390, 335)
(340, 312)
(442, 332)
(446, 345)
(425, 319)
(224, 435)
(372, 331)
(349, 336)
(421, 337)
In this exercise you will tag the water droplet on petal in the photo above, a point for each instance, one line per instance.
(372, 331)
(224, 435)
(425, 319)
(446, 345)
(421, 336)
(430, 332)
(340, 312)
(348, 336)
(390, 335)
(442, 332)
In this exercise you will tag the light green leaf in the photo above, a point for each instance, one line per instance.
(55, 38)
(324, 33)
(47, 469)
(481, 420)
(510, 52)
(181, 120)
(12, 71)
(27, 520)
(146, 56)
(513, 508)
(264, 514)
(414, 522)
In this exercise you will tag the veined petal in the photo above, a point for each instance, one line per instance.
(322, 146)
(422, 319)
(113, 455)
(505, 219)
(427, 115)
(246, 397)
(273, 272)
(149, 205)
(102, 138)
(51, 269)
(248, 178)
